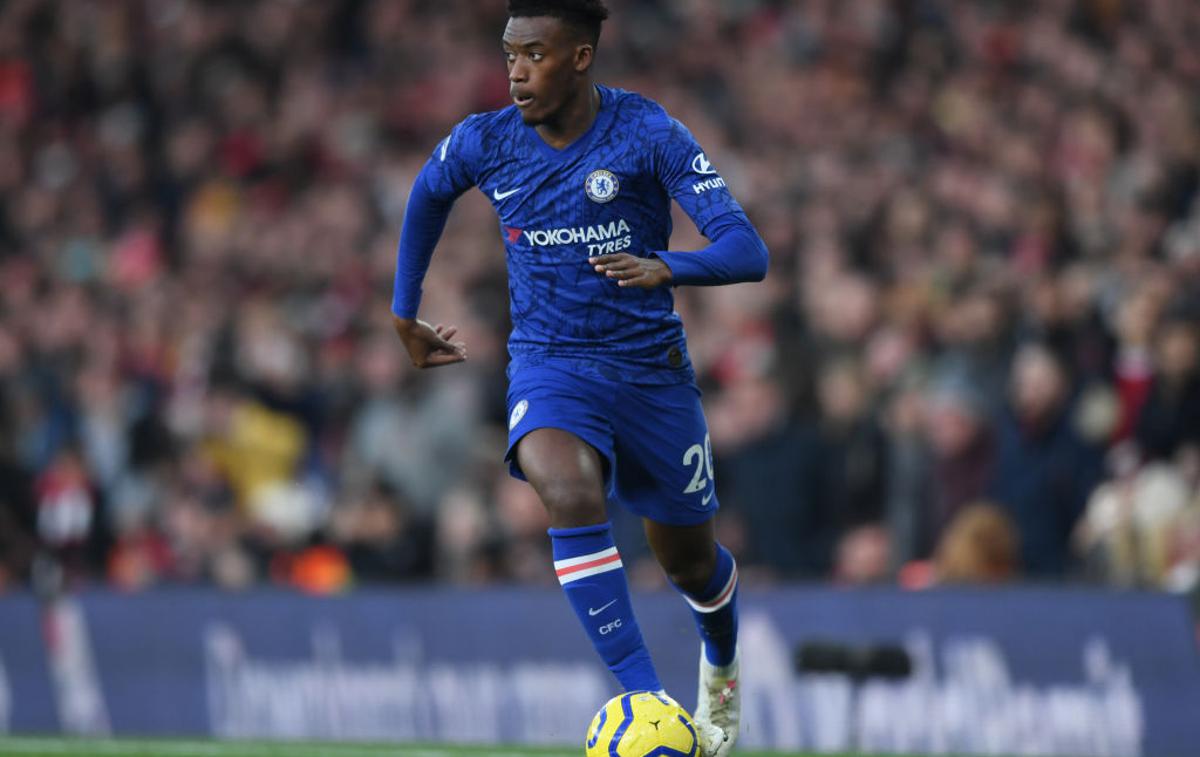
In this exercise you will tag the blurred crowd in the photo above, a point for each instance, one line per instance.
(976, 357)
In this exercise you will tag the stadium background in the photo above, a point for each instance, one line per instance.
(975, 360)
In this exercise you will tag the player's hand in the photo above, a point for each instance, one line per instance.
(429, 346)
(631, 271)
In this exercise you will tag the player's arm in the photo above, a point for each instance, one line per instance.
(445, 176)
(736, 252)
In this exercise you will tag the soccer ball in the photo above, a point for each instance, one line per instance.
(642, 724)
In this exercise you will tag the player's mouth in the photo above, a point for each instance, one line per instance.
(522, 100)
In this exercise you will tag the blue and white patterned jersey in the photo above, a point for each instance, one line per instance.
(609, 191)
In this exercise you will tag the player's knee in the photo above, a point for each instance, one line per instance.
(691, 576)
(572, 503)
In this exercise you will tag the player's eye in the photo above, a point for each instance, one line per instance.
(510, 57)
(536, 57)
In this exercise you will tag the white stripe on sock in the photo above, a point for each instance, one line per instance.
(594, 570)
(723, 598)
(569, 561)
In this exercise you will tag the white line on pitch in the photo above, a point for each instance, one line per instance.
(216, 749)
(200, 749)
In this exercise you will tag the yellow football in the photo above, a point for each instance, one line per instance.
(642, 724)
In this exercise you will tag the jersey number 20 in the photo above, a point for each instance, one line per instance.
(699, 455)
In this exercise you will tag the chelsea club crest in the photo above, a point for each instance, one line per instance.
(601, 186)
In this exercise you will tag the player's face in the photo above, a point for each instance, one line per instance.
(545, 60)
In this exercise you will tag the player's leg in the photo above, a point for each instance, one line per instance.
(706, 574)
(568, 475)
(665, 474)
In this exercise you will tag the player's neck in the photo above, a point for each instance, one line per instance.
(575, 118)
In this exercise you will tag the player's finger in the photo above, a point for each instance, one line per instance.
(448, 332)
(624, 268)
(632, 269)
(437, 359)
(443, 360)
(439, 342)
(611, 262)
(448, 348)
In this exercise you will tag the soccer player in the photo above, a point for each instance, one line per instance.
(602, 401)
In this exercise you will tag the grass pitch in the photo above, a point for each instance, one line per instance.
(60, 747)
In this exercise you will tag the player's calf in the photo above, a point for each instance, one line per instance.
(714, 608)
(591, 573)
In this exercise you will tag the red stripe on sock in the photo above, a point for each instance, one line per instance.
(584, 566)
(725, 594)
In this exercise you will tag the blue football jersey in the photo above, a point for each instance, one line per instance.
(607, 192)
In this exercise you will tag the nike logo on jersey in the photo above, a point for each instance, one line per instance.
(707, 498)
(594, 611)
(498, 195)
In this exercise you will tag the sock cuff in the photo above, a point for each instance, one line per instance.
(721, 588)
(584, 552)
(566, 533)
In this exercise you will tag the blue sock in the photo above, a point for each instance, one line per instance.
(715, 610)
(593, 578)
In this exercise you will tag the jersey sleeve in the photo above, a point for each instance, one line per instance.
(736, 253)
(450, 171)
(454, 166)
(684, 170)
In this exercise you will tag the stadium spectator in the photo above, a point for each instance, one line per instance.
(17, 542)
(980, 546)
(1044, 470)
(383, 539)
(768, 479)
(1136, 527)
(1169, 419)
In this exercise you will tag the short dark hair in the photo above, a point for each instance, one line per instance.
(584, 15)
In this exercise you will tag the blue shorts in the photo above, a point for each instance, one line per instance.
(653, 438)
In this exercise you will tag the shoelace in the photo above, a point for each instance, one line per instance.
(727, 692)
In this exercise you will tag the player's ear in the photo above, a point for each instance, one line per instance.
(584, 55)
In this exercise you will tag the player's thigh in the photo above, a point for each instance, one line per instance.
(560, 440)
(664, 456)
(568, 475)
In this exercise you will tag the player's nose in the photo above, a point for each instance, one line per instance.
(518, 72)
